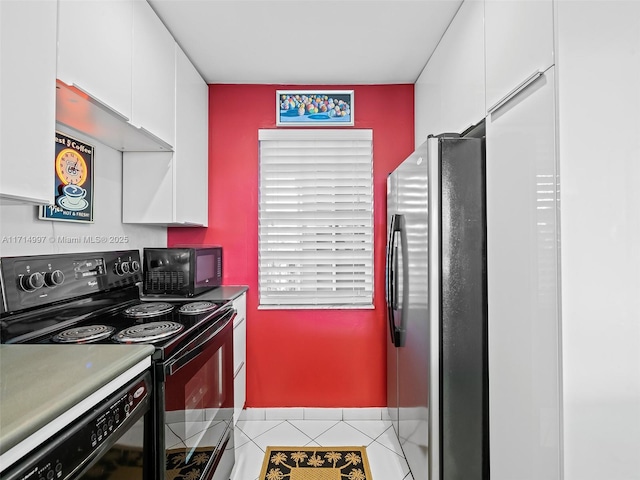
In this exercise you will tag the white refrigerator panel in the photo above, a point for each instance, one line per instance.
(522, 231)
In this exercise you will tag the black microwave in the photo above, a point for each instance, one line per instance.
(181, 271)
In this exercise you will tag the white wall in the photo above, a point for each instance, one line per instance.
(17, 221)
(598, 59)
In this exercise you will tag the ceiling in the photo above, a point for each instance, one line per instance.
(314, 42)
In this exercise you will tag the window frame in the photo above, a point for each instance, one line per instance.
(354, 143)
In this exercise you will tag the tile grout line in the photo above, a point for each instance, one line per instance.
(401, 455)
(313, 439)
(364, 433)
(252, 439)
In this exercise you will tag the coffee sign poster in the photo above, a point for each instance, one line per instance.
(73, 182)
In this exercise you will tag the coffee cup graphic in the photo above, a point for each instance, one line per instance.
(74, 194)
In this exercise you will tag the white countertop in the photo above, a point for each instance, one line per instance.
(43, 388)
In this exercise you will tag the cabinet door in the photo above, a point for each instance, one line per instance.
(240, 333)
(522, 256)
(191, 147)
(27, 100)
(239, 354)
(154, 77)
(173, 188)
(240, 390)
(519, 42)
(240, 304)
(450, 92)
(95, 49)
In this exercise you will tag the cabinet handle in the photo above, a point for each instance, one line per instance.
(242, 319)
(101, 104)
(528, 81)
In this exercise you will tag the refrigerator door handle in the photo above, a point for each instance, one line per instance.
(391, 270)
(400, 330)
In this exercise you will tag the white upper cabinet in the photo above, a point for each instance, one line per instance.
(519, 44)
(191, 151)
(172, 188)
(450, 92)
(95, 50)
(154, 78)
(27, 100)
(95, 74)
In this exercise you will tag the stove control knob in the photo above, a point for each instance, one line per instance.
(53, 279)
(135, 266)
(31, 282)
(121, 268)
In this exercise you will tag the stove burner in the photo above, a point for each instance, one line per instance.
(148, 332)
(143, 310)
(197, 307)
(88, 334)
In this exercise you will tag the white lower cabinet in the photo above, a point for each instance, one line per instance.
(27, 101)
(239, 356)
(523, 296)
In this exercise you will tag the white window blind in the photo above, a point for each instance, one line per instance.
(316, 219)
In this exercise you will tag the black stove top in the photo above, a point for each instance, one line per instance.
(167, 329)
(94, 303)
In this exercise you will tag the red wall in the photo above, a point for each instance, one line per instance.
(299, 358)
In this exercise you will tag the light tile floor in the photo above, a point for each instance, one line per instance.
(386, 459)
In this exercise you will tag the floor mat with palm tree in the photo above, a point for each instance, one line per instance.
(315, 463)
(185, 464)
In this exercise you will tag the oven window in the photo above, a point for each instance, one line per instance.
(199, 410)
(125, 460)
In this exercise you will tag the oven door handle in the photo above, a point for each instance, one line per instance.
(195, 349)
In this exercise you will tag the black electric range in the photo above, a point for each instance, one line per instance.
(94, 297)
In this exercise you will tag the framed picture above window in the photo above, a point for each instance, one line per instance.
(305, 108)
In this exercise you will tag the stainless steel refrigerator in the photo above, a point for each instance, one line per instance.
(436, 290)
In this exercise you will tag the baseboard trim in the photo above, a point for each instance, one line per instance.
(306, 413)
